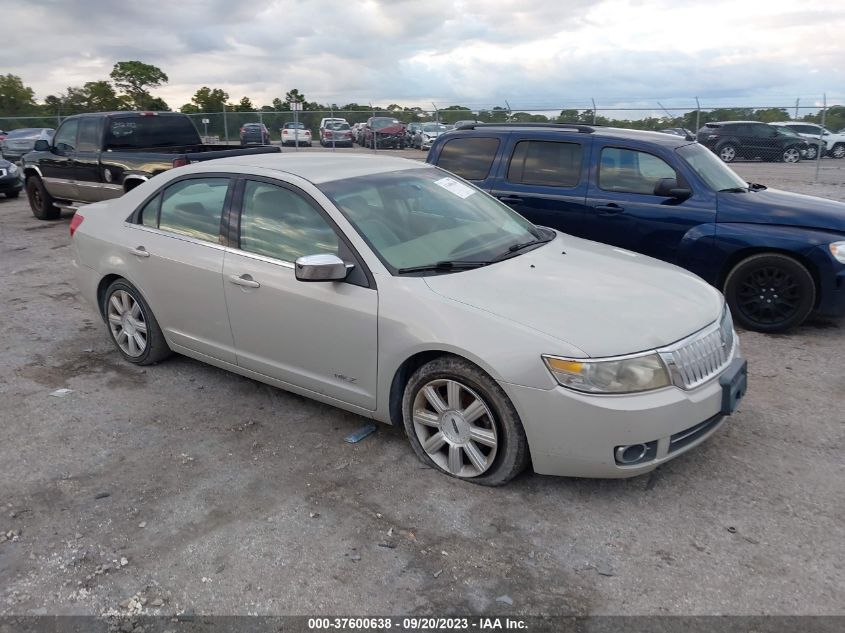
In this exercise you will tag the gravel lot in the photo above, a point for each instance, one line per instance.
(192, 489)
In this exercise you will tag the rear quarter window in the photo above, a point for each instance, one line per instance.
(469, 157)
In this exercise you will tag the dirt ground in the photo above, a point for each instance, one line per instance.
(183, 488)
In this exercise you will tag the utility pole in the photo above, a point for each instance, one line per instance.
(697, 115)
(594, 110)
(824, 114)
(797, 101)
(225, 125)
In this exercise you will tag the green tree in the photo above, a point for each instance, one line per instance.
(94, 96)
(294, 96)
(15, 98)
(189, 108)
(209, 100)
(567, 116)
(770, 115)
(135, 79)
(245, 105)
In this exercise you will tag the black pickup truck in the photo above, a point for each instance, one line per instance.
(99, 156)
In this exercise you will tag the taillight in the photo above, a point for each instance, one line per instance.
(712, 137)
(180, 162)
(75, 221)
(327, 134)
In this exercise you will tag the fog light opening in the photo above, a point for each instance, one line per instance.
(631, 454)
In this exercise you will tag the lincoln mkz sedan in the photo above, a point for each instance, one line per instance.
(399, 292)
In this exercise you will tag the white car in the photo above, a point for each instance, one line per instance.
(394, 290)
(425, 135)
(834, 141)
(296, 134)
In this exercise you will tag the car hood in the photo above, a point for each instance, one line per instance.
(602, 300)
(772, 206)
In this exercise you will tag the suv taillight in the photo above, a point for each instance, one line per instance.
(180, 162)
(75, 221)
(712, 137)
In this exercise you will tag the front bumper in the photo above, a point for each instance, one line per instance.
(575, 435)
(11, 184)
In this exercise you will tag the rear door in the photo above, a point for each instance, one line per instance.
(175, 258)
(91, 184)
(57, 166)
(545, 180)
(317, 336)
(624, 210)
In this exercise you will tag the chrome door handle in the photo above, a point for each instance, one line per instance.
(140, 251)
(244, 280)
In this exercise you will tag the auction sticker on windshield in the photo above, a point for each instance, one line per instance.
(453, 186)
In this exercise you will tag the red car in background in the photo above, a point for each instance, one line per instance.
(383, 132)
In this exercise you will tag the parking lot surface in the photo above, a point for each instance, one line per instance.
(180, 487)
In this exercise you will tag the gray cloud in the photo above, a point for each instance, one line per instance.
(529, 52)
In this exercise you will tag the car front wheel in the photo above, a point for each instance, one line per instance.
(838, 150)
(43, 205)
(132, 326)
(459, 421)
(770, 292)
(812, 152)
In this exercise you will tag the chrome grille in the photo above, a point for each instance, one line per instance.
(695, 360)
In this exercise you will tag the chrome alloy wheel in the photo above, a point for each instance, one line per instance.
(727, 153)
(455, 428)
(127, 324)
(791, 155)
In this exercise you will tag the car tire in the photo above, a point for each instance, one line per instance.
(13, 194)
(812, 152)
(838, 150)
(727, 152)
(43, 205)
(490, 449)
(770, 292)
(132, 326)
(791, 155)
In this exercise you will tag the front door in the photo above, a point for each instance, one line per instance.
(57, 168)
(319, 336)
(625, 212)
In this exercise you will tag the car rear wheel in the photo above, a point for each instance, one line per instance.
(727, 153)
(791, 155)
(770, 292)
(43, 205)
(812, 152)
(459, 421)
(132, 326)
(838, 150)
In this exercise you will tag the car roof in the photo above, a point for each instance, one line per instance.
(317, 167)
(576, 129)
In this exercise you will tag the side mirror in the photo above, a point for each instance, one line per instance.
(42, 146)
(668, 188)
(322, 267)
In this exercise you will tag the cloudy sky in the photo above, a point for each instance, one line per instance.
(534, 54)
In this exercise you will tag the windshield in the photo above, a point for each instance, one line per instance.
(381, 123)
(337, 126)
(292, 126)
(710, 168)
(420, 217)
(433, 127)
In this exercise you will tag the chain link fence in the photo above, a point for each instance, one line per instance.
(224, 126)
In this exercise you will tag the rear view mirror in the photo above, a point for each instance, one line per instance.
(42, 146)
(668, 188)
(322, 267)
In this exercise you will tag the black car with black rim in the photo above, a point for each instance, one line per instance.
(11, 179)
(731, 140)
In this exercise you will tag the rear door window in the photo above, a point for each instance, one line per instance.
(469, 157)
(545, 163)
(194, 208)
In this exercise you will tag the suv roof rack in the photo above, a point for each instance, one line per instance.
(583, 129)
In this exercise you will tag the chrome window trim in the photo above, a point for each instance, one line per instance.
(260, 258)
(178, 236)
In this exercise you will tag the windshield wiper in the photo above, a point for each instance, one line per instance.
(753, 186)
(513, 249)
(734, 190)
(447, 264)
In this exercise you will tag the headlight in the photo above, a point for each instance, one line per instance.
(624, 375)
(13, 169)
(837, 249)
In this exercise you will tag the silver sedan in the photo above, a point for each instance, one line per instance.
(401, 293)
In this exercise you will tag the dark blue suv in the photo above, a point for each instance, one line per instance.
(777, 256)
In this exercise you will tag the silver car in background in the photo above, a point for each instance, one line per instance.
(426, 133)
(399, 292)
(22, 141)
